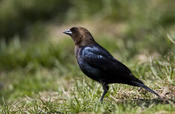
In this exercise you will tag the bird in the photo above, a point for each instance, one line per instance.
(98, 64)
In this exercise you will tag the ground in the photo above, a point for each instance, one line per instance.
(43, 77)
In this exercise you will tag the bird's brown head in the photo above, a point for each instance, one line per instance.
(80, 36)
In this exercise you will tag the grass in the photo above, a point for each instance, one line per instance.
(38, 70)
(43, 77)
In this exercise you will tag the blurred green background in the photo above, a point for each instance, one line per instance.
(35, 56)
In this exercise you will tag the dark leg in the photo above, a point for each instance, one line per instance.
(105, 88)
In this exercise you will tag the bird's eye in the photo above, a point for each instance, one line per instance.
(74, 29)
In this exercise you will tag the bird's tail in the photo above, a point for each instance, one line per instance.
(145, 87)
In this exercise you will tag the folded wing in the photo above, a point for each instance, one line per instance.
(99, 58)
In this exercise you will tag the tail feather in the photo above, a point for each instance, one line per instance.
(146, 88)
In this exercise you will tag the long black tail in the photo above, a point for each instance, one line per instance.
(145, 87)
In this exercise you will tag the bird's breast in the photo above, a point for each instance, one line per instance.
(87, 69)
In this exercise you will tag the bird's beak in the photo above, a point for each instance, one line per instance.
(68, 32)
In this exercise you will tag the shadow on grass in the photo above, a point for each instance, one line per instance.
(147, 102)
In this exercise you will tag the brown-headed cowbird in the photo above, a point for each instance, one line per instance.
(98, 64)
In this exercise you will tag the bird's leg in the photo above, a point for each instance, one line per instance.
(105, 88)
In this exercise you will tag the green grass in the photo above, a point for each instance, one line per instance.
(44, 78)
(38, 70)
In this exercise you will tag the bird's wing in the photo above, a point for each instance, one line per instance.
(101, 59)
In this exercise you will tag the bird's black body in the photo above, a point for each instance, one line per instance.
(98, 64)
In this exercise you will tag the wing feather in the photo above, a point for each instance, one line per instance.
(103, 60)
